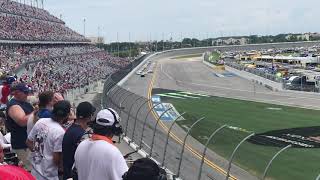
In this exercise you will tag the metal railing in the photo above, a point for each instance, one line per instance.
(222, 152)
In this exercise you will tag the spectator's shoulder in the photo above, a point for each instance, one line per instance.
(42, 120)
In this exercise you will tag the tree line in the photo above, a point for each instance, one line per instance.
(133, 49)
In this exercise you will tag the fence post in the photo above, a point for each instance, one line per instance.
(109, 84)
(107, 87)
(167, 140)
(121, 108)
(184, 143)
(155, 129)
(115, 101)
(110, 92)
(135, 120)
(115, 94)
(234, 152)
(134, 102)
(206, 147)
(273, 158)
(145, 122)
(106, 91)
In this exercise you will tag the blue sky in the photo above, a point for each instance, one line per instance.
(154, 19)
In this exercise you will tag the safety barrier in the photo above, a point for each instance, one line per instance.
(175, 147)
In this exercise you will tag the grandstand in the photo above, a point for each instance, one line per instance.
(49, 63)
(26, 23)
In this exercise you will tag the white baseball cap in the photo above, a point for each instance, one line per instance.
(107, 117)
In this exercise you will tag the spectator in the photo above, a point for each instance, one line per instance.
(45, 142)
(3, 142)
(2, 122)
(97, 157)
(145, 169)
(45, 106)
(73, 136)
(5, 91)
(1, 155)
(46, 102)
(18, 112)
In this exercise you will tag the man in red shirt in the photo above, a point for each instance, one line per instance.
(5, 91)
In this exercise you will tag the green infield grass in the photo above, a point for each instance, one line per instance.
(245, 117)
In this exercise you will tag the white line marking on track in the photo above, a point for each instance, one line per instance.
(289, 96)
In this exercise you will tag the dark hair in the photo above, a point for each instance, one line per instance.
(102, 130)
(143, 169)
(2, 115)
(61, 110)
(45, 98)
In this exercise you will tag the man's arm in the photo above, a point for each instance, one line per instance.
(18, 115)
(30, 143)
(57, 158)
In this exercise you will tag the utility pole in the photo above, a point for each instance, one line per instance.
(194, 39)
(129, 45)
(171, 40)
(181, 40)
(156, 42)
(207, 41)
(118, 44)
(151, 45)
(84, 27)
(162, 41)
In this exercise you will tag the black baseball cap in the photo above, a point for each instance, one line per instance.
(21, 87)
(61, 108)
(85, 110)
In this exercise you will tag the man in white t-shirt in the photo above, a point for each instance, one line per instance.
(97, 157)
(45, 142)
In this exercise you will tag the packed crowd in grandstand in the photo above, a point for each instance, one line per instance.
(12, 7)
(68, 66)
(36, 131)
(26, 23)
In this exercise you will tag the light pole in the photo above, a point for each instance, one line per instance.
(162, 41)
(129, 45)
(181, 39)
(118, 44)
(84, 27)
(171, 40)
(98, 32)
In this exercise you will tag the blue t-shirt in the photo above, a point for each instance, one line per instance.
(44, 113)
(70, 143)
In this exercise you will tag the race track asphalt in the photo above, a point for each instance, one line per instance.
(193, 76)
